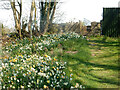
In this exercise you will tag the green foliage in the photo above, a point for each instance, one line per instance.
(31, 67)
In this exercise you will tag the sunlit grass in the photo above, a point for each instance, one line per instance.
(95, 65)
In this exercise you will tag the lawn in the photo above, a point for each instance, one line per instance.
(94, 63)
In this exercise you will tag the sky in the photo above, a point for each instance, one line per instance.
(71, 10)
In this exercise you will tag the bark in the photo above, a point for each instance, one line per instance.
(47, 11)
(30, 20)
(53, 12)
(36, 29)
(17, 16)
(47, 19)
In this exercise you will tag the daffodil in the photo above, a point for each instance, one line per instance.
(22, 86)
(44, 86)
(54, 59)
(48, 81)
(34, 66)
(10, 61)
(14, 60)
(21, 68)
(46, 56)
(29, 72)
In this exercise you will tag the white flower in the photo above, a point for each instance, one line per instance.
(70, 78)
(22, 86)
(32, 69)
(24, 74)
(28, 85)
(2, 64)
(80, 86)
(0, 68)
(11, 63)
(47, 77)
(40, 57)
(42, 74)
(18, 81)
(65, 62)
(4, 87)
(14, 78)
(10, 85)
(13, 87)
(6, 64)
(66, 83)
(11, 78)
(77, 85)
(71, 75)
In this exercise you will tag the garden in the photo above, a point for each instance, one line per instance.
(57, 61)
(41, 50)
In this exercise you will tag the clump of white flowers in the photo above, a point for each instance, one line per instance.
(33, 72)
(25, 69)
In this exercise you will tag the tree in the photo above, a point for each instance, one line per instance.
(17, 15)
(47, 11)
(31, 16)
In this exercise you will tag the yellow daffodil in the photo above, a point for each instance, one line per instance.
(48, 81)
(54, 59)
(46, 56)
(29, 72)
(34, 66)
(10, 61)
(21, 55)
(44, 86)
(15, 60)
(53, 67)
(41, 71)
(21, 68)
(28, 59)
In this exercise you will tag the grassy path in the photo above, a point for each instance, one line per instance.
(94, 64)
(104, 66)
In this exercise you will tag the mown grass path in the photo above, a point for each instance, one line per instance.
(104, 66)
(95, 63)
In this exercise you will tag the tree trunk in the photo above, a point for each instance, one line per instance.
(36, 29)
(30, 20)
(47, 18)
(17, 20)
(53, 12)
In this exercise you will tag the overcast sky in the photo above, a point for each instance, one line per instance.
(73, 10)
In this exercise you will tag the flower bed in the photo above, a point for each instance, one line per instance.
(30, 67)
(34, 72)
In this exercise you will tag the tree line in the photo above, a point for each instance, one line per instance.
(47, 10)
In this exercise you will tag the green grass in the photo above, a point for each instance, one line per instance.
(95, 63)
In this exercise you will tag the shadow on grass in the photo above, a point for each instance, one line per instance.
(90, 64)
(106, 44)
(87, 64)
(102, 79)
(110, 55)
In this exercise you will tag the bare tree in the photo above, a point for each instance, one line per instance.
(47, 11)
(17, 15)
(31, 16)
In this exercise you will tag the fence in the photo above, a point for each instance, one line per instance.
(110, 22)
